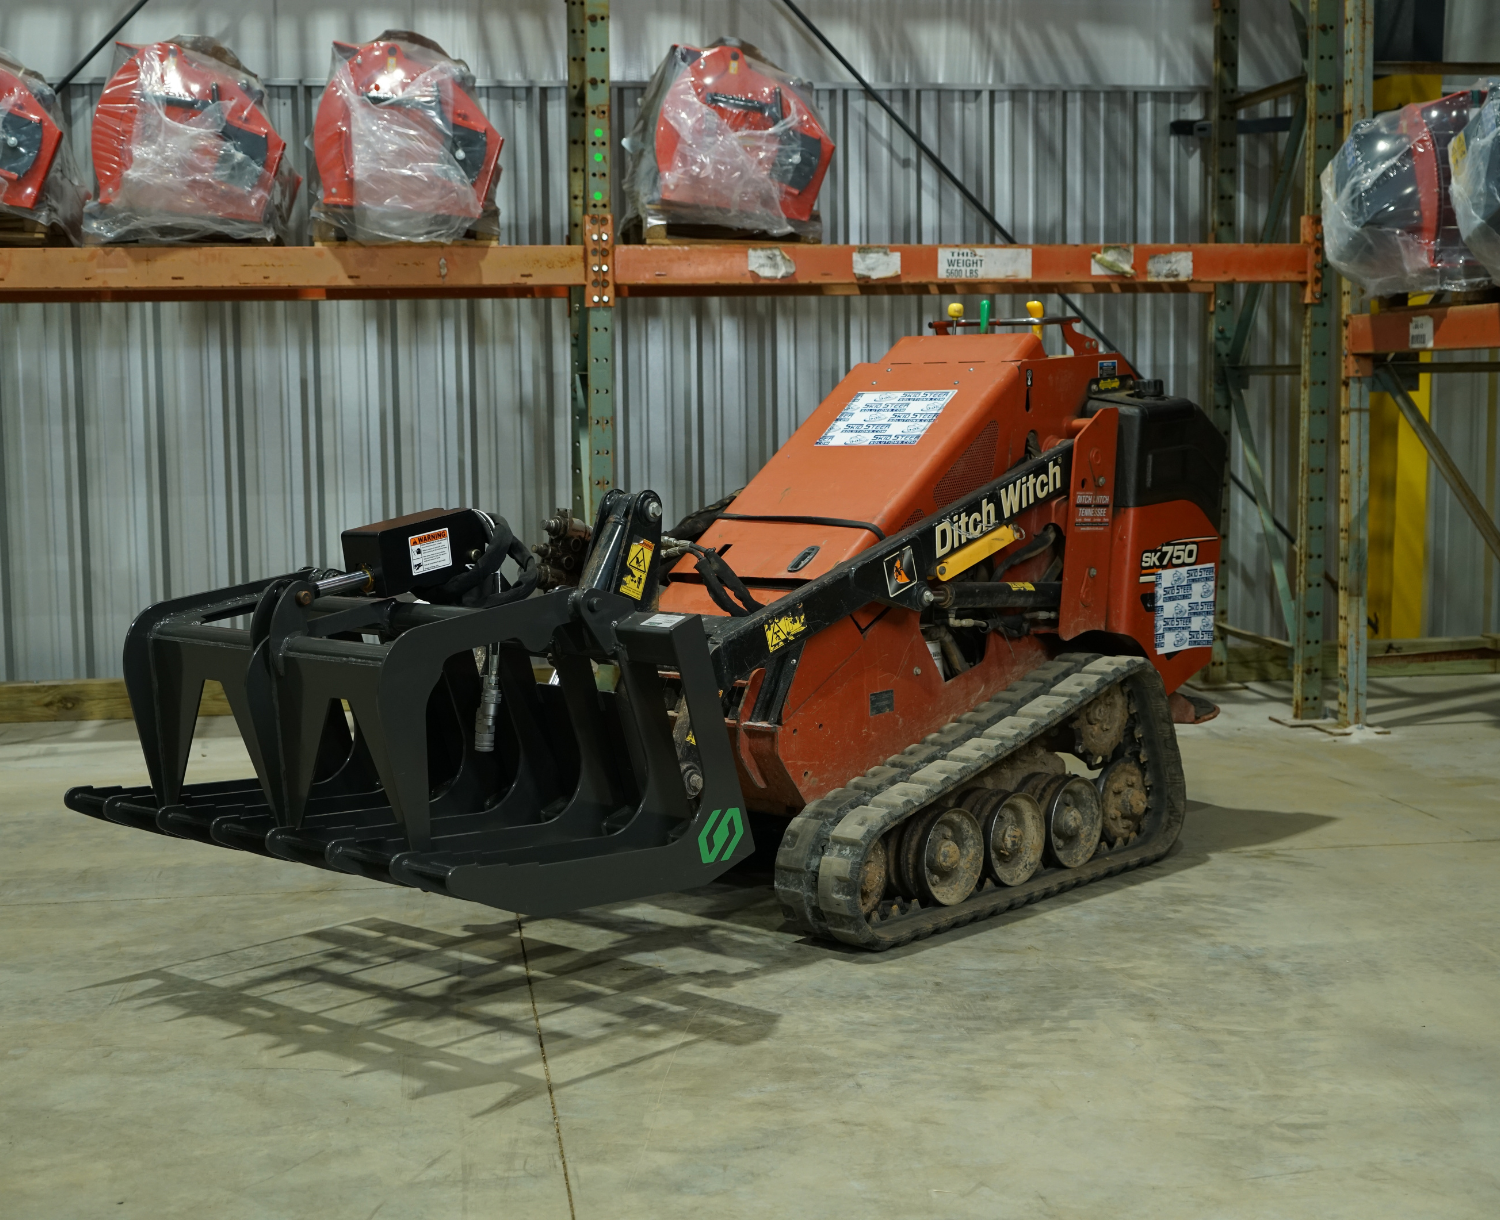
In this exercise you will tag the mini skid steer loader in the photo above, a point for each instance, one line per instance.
(971, 560)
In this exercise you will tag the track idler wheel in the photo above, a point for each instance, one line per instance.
(1122, 799)
(939, 856)
(1013, 831)
(1073, 817)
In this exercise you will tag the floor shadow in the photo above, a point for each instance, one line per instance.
(453, 1012)
(1207, 831)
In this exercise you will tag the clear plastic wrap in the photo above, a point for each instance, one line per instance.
(404, 152)
(1475, 161)
(726, 140)
(183, 151)
(39, 180)
(1388, 219)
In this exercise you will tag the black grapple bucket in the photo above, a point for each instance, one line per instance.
(359, 715)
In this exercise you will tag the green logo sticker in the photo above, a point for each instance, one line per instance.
(711, 851)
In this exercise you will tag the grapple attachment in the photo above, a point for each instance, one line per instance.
(477, 781)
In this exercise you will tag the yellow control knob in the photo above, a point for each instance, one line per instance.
(1036, 310)
(956, 310)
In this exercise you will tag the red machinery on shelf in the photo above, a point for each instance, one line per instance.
(727, 139)
(1388, 218)
(38, 180)
(183, 150)
(404, 151)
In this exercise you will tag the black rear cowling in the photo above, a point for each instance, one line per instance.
(1168, 448)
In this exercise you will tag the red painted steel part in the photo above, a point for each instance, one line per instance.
(30, 141)
(724, 81)
(1008, 396)
(170, 114)
(391, 102)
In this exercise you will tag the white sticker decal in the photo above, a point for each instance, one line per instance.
(770, 262)
(430, 552)
(876, 262)
(663, 620)
(1176, 265)
(1419, 331)
(886, 417)
(984, 263)
(1184, 608)
(1113, 260)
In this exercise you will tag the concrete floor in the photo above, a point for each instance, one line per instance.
(1292, 1016)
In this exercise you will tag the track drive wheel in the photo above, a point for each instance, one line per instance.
(1074, 818)
(1122, 798)
(939, 856)
(1013, 830)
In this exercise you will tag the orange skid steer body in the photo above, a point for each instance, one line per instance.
(972, 559)
(1130, 485)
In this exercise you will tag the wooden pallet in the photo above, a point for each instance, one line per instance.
(20, 231)
(326, 233)
(663, 230)
(85, 699)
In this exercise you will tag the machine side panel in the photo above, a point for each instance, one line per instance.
(1149, 540)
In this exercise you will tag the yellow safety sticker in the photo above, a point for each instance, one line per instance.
(1017, 586)
(783, 630)
(637, 564)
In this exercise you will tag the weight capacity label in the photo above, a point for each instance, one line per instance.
(886, 417)
(1184, 608)
(984, 263)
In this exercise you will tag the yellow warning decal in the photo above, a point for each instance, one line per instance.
(1019, 586)
(637, 564)
(1109, 383)
(783, 630)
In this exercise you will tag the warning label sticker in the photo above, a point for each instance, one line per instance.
(637, 564)
(984, 263)
(1184, 608)
(430, 552)
(886, 417)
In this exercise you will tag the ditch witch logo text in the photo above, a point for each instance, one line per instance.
(961, 527)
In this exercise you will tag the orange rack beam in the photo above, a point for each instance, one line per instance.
(349, 272)
(1442, 328)
(726, 269)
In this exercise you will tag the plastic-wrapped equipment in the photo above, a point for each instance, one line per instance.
(726, 140)
(1388, 219)
(184, 152)
(39, 180)
(1475, 160)
(403, 150)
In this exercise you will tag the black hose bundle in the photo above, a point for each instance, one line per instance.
(483, 586)
(719, 578)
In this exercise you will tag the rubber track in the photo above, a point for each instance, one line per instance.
(818, 863)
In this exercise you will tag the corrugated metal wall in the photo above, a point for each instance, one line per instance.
(149, 450)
